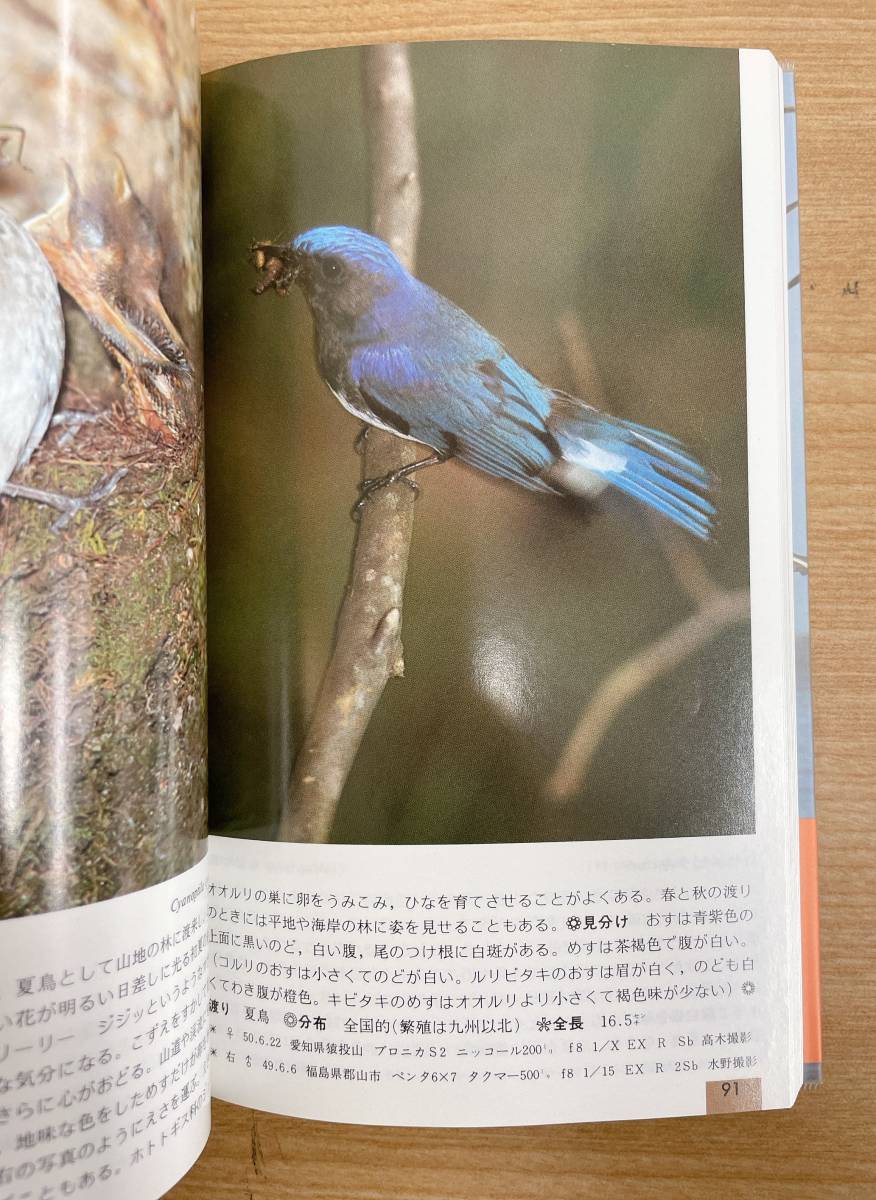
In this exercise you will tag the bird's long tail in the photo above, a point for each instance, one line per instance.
(599, 451)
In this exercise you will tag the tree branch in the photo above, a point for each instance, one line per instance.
(658, 658)
(686, 565)
(580, 359)
(368, 649)
(716, 609)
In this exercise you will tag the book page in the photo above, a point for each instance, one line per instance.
(502, 760)
(103, 1054)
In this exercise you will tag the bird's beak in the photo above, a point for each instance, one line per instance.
(279, 265)
(117, 292)
(148, 338)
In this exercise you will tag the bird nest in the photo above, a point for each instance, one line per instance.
(104, 660)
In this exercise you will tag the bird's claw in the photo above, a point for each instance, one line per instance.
(71, 505)
(72, 420)
(368, 487)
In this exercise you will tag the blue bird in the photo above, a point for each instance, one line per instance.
(401, 357)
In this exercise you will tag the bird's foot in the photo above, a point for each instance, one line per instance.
(403, 474)
(75, 504)
(68, 506)
(368, 487)
(72, 421)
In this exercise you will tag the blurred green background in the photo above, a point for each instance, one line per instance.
(584, 203)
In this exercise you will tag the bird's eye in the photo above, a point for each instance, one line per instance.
(332, 268)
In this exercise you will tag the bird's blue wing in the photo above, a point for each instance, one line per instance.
(393, 384)
(479, 405)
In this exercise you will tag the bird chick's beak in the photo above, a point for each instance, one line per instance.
(112, 267)
(279, 266)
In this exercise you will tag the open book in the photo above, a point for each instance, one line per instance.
(510, 766)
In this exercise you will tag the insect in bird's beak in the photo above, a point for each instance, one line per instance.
(279, 266)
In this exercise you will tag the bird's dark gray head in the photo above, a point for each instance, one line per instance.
(340, 270)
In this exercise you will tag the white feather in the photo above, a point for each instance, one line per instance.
(585, 467)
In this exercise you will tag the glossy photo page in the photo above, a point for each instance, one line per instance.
(502, 777)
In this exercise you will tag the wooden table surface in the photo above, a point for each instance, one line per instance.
(826, 1145)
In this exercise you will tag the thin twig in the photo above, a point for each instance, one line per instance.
(686, 565)
(658, 658)
(580, 359)
(16, 845)
(715, 609)
(367, 652)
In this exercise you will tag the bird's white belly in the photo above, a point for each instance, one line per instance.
(31, 345)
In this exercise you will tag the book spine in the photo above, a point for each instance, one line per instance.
(805, 769)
